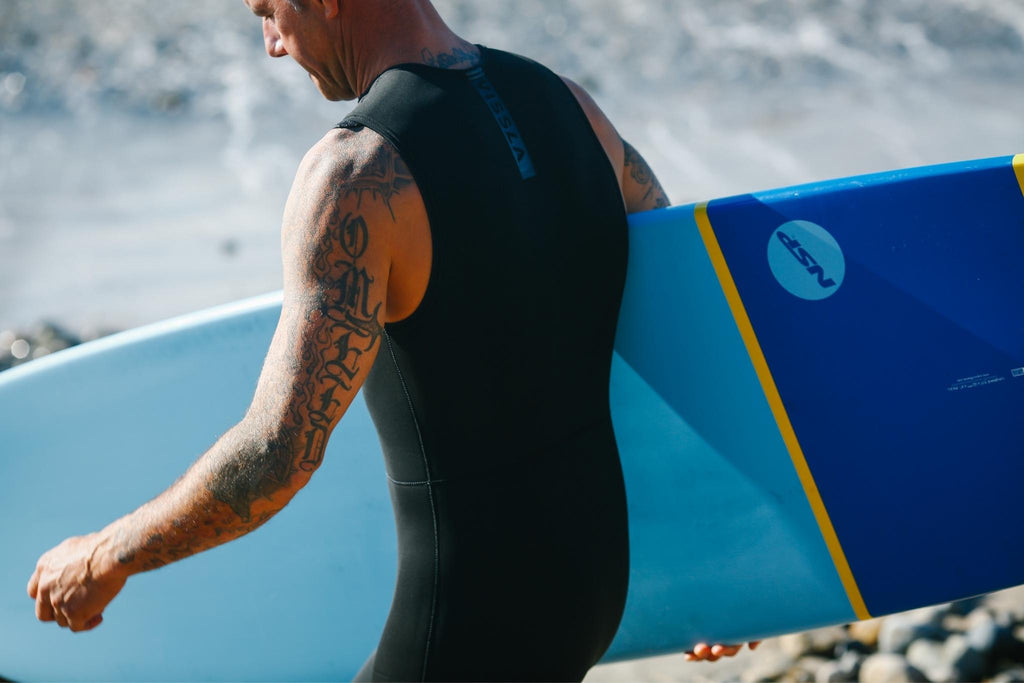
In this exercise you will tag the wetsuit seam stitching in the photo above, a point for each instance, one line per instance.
(430, 497)
(427, 482)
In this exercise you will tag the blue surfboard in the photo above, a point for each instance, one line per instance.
(803, 379)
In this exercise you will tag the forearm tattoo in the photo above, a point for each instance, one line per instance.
(328, 327)
(641, 172)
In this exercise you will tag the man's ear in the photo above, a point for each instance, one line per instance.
(331, 8)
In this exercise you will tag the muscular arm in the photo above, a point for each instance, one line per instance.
(337, 239)
(641, 190)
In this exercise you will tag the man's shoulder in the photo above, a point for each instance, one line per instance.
(348, 154)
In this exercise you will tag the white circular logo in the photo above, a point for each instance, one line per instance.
(806, 260)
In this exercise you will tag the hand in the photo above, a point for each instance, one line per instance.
(74, 582)
(711, 653)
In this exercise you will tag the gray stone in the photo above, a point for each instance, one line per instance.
(849, 665)
(829, 673)
(993, 634)
(866, 632)
(807, 667)
(965, 607)
(928, 657)
(900, 630)
(968, 664)
(843, 670)
(1010, 602)
(888, 667)
(820, 641)
(983, 632)
(1014, 675)
(770, 665)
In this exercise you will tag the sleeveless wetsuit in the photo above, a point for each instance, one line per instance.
(491, 400)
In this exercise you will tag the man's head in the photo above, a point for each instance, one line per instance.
(310, 32)
(344, 44)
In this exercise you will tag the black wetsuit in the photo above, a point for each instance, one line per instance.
(491, 400)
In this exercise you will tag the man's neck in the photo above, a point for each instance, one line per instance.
(402, 32)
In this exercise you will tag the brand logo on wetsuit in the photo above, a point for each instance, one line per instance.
(806, 260)
(505, 121)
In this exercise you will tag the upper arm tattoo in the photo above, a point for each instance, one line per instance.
(332, 324)
(642, 175)
(330, 329)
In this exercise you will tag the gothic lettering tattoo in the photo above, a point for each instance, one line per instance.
(640, 172)
(326, 333)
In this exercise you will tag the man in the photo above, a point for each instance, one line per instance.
(465, 229)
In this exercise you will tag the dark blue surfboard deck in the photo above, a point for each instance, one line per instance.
(814, 393)
(903, 375)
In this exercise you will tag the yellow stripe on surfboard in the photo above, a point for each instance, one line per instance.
(1018, 168)
(771, 392)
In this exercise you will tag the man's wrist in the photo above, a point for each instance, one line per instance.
(111, 558)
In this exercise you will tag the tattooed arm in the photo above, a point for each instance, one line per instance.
(640, 186)
(351, 195)
(641, 190)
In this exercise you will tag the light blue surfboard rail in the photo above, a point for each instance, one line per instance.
(727, 542)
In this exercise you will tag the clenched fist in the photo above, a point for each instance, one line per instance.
(74, 582)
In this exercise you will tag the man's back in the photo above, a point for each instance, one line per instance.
(491, 399)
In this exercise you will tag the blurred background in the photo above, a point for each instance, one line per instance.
(147, 148)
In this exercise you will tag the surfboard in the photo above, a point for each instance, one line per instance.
(817, 394)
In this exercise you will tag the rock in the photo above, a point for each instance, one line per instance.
(854, 646)
(849, 665)
(954, 660)
(954, 623)
(820, 641)
(866, 632)
(993, 635)
(770, 665)
(965, 607)
(844, 670)
(1014, 675)
(53, 337)
(829, 673)
(985, 633)
(1010, 602)
(900, 630)
(927, 656)
(806, 668)
(968, 664)
(887, 667)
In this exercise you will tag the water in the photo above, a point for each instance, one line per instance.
(146, 148)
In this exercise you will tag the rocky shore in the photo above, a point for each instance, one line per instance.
(42, 339)
(981, 639)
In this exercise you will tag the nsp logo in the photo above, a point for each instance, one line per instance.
(806, 260)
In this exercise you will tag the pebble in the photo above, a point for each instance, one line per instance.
(866, 632)
(822, 641)
(966, 663)
(1014, 675)
(900, 630)
(770, 666)
(888, 667)
(42, 339)
(806, 668)
(844, 670)
(927, 656)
